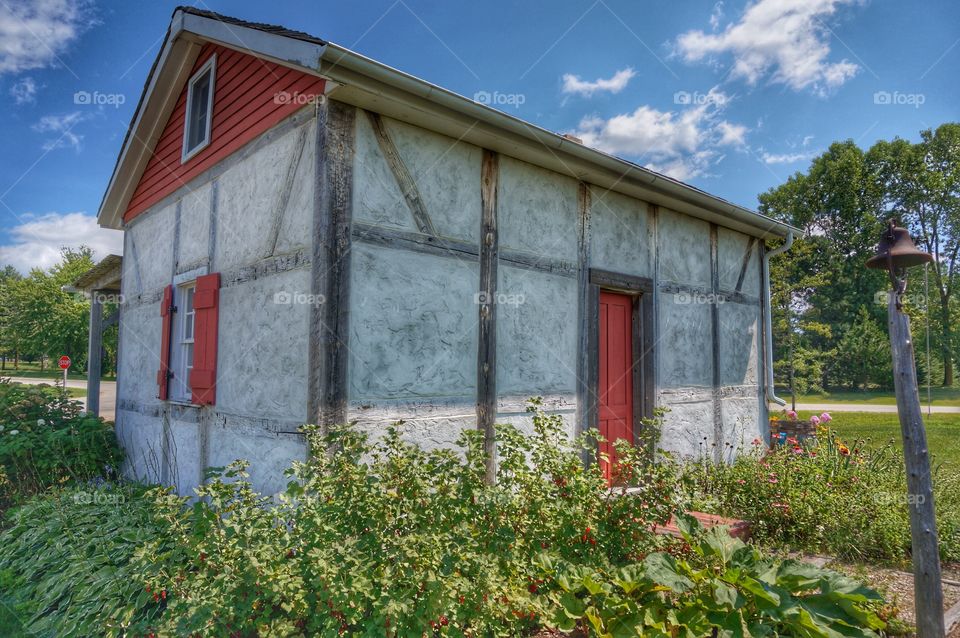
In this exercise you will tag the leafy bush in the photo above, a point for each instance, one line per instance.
(65, 562)
(389, 539)
(725, 588)
(46, 441)
(828, 495)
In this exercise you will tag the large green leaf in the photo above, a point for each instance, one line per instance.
(662, 569)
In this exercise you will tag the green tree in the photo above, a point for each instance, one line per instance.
(820, 286)
(862, 356)
(47, 320)
(921, 186)
(9, 340)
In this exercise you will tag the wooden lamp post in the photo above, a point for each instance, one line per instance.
(895, 253)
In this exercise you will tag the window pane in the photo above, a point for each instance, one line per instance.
(189, 355)
(199, 104)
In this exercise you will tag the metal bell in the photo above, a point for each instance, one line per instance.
(897, 250)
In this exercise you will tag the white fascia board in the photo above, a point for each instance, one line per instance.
(275, 47)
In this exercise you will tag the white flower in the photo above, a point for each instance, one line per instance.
(14, 431)
(41, 422)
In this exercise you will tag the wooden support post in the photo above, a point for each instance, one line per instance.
(487, 341)
(927, 588)
(330, 266)
(588, 304)
(718, 438)
(94, 350)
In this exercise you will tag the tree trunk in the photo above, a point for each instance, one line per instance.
(946, 350)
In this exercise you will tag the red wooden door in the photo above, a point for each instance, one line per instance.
(615, 385)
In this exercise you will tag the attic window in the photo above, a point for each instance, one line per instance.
(196, 130)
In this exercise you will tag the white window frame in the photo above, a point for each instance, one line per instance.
(211, 66)
(180, 363)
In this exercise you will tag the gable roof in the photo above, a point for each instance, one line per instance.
(361, 81)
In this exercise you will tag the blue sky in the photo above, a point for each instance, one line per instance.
(730, 96)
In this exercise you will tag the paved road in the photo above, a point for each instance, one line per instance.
(108, 392)
(867, 407)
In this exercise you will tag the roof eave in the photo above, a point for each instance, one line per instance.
(371, 84)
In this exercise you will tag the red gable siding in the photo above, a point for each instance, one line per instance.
(244, 106)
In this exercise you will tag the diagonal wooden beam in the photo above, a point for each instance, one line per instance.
(400, 173)
(746, 262)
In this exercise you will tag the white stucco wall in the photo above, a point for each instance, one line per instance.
(224, 221)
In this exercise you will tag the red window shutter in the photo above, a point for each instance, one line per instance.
(206, 305)
(166, 326)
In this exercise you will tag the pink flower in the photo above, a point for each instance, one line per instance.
(791, 414)
(815, 420)
(772, 480)
(757, 442)
(825, 417)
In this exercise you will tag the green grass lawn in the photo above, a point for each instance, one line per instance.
(940, 396)
(943, 432)
(32, 371)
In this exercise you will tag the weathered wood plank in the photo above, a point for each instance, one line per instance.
(721, 295)
(487, 341)
(647, 354)
(408, 186)
(414, 241)
(95, 348)
(455, 248)
(927, 588)
(330, 264)
(620, 281)
(718, 438)
(584, 315)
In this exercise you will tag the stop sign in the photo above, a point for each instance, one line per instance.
(64, 362)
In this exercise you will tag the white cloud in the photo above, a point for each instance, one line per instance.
(615, 84)
(732, 134)
(61, 128)
(682, 144)
(785, 158)
(34, 34)
(36, 241)
(24, 91)
(716, 15)
(785, 39)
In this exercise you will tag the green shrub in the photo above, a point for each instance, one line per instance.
(389, 539)
(724, 588)
(843, 498)
(46, 441)
(65, 562)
